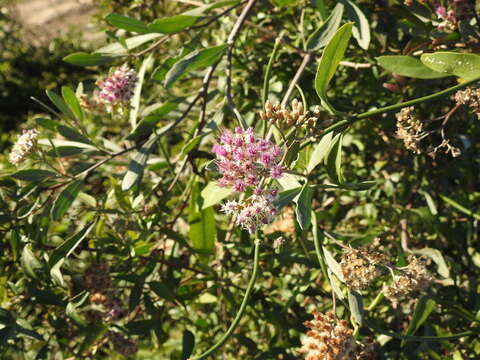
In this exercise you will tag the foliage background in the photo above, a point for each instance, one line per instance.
(173, 291)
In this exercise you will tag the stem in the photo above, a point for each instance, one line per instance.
(306, 59)
(243, 306)
(376, 301)
(399, 106)
(266, 80)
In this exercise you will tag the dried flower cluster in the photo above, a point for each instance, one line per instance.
(244, 160)
(118, 86)
(446, 147)
(122, 345)
(415, 277)
(328, 338)
(99, 282)
(24, 145)
(297, 116)
(254, 212)
(358, 266)
(410, 129)
(470, 97)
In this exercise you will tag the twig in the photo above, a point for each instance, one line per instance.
(230, 43)
(306, 59)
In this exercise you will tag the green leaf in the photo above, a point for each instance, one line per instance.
(334, 160)
(73, 135)
(319, 151)
(60, 104)
(212, 194)
(326, 31)
(195, 60)
(85, 59)
(466, 66)
(92, 334)
(29, 262)
(162, 290)
(75, 303)
(65, 199)
(355, 302)
(425, 306)
(188, 343)
(332, 264)
(118, 49)
(137, 165)
(127, 23)
(147, 124)
(72, 102)
(6, 317)
(286, 197)
(331, 57)
(64, 151)
(56, 274)
(361, 29)
(304, 207)
(135, 101)
(68, 246)
(202, 232)
(172, 24)
(408, 66)
(33, 175)
(47, 123)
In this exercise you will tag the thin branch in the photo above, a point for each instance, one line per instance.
(306, 60)
(230, 43)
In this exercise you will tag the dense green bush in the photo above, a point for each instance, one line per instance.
(183, 205)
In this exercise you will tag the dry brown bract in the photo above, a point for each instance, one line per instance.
(358, 266)
(414, 278)
(410, 129)
(469, 97)
(328, 338)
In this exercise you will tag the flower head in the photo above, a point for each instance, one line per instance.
(26, 141)
(254, 212)
(244, 159)
(328, 338)
(118, 86)
(410, 129)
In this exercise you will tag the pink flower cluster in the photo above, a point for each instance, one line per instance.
(243, 159)
(256, 211)
(118, 86)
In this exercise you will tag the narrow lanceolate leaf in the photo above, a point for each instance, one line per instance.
(425, 306)
(68, 246)
(72, 102)
(212, 194)
(131, 43)
(188, 343)
(29, 262)
(73, 135)
(304, 207)
(149, 122)
(65, 199)
(127, 23)
(286, 197)
(202, 232)
(195, 60)
(33, 175)
(355, 302)
(137, 165)
(333, 160)
(327, 30)
(135, 101)
(361, 29)
(86, 59)
(172, 24)
(437, 258)
(332, 264)
(466, 66)
(60, 104)
(319, 151)
(331, 57)
(408, 66)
